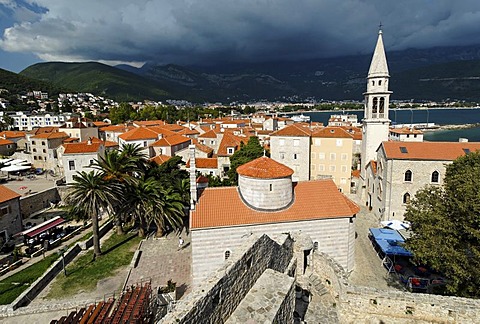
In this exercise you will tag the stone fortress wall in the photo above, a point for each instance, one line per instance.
(220, 295)
(352, 304)
(357, 304)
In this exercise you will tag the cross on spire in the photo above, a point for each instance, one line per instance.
(380, 26)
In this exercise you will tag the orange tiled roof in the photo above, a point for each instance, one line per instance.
(53, 135)
(140, 123)
(159, 159)
(188, 131)
(100, 123)
(265, 168)
(5, 141)
(373, 163)
(81, 148)
(436, 151)
(71, 140)
(208, 134)
(296, 129)
(230, 140)
(356, 132)
(7, 194)
(117, 128)
(331, 132)
(12, 134)
(204, 163)
(171, 140)
(319, 199)
(141, 133)
(356, 173)
(41, 130)
(201, 147)
(405, 130)
(106, 143)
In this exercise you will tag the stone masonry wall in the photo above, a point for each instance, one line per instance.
(35, 202)
(219, 295)
(357, 304)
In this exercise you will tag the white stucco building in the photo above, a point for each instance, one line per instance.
(291, 146)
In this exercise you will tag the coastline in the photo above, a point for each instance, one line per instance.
(451, 127)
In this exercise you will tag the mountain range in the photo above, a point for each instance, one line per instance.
(429, 74)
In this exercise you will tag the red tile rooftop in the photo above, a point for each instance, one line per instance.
(319, 199)
(437, 151)
(265, 168)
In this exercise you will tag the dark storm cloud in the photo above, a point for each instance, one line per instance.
(209, 31)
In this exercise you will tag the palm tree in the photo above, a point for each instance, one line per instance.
(140, 200)
(169, 211)
(92, 193)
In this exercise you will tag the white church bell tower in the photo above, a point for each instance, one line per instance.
(377, 99)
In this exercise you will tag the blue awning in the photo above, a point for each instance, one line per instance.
(390, 241)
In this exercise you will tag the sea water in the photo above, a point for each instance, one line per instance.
(439, 116)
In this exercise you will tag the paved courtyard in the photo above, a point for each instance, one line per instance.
(369, 270)
(161, 259)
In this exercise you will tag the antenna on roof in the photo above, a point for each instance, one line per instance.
(264, 153)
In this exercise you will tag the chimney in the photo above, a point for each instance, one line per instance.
(193, 178)
(160, 136)
(89, 141)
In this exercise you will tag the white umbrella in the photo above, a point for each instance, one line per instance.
(13, 168)
(16, 161)
(395, 224)
(3, 161)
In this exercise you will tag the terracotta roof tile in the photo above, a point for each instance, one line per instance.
(437, 151)
(171, 140)
(117, 128)
(373, 164)
(201, 147)
(204, 163)
(144, 133)
(331, 132)
(140, 123)
(356, 173)
(230, 140)
(7, 194)
(159, 159)
(41, 130)
(405, 130)
(296, 129)
(208, 134)
(265, 168)
(81, 148)
(53, 135)
(100, 123)
(319, 199)
(12, 134)
(106, 143)
(5, 141)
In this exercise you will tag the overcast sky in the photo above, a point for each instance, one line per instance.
(213, 31)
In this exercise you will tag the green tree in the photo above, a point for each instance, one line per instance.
(122, 113)
(93, 194)
(245, 154)
(446, 226)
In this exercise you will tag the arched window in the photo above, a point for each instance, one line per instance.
(382, 105)
(435, 176)
(408, 175)
(227, 254)
(406, 198)
(375, 105)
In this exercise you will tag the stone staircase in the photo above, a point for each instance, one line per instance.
(315, 283)
(322, 306)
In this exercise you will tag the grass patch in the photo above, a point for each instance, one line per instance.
(13, 286)
(84, 274)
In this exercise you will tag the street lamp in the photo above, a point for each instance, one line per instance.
(62, 253)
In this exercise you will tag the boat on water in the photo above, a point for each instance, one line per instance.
(300, 118)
